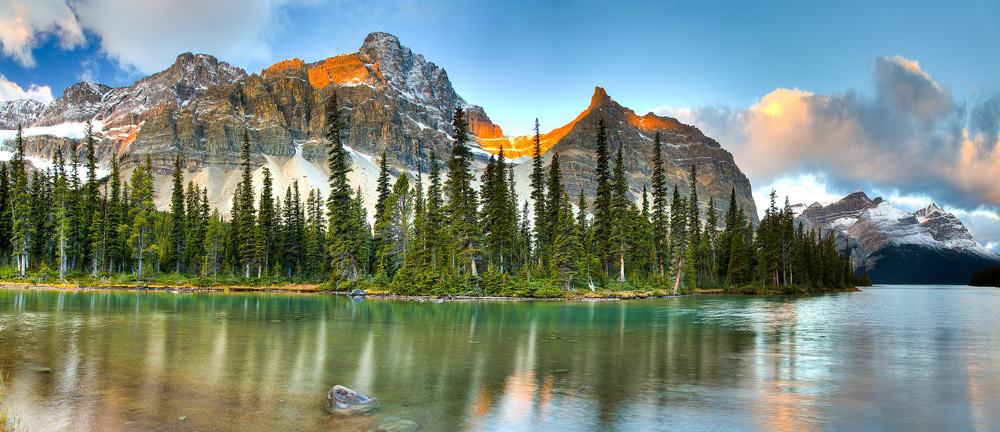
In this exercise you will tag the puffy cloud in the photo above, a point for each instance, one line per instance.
(145, 35)
(25, 23)
(9, 90)
(910, 135)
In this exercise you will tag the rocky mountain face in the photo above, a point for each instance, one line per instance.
(683, 146)
(929, 245)
(19, 112)
(392, 100)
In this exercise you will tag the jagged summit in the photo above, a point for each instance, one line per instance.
(600, 96)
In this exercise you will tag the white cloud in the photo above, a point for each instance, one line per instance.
(25, 23)
(145, 35)
(9, 90)
(910, 136)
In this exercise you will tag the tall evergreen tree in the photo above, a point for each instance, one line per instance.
(21, 210)
(343, 223)
(603, 212)
(661, 224)
(91, 217)
(244, 212)
(6, 216)
(538, 195)
(178, 216)
(435, 216)
(584, 242)
(266, 227)
(114, 218)
(59, 194)
(143, 213)
(553, 209)
(462, 203)
(619, 206)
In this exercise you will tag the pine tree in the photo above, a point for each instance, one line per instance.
(584, 242)
(21, 210)
(563, 260)
(553, 209)
(435, 217)
(215, 233)
(59, 195)
(143, 212)
(114, 218)
(343, 224)
(244, 213)
(91, 216)
(462, 203)
(619, 206)
(177, 216)
(603, 212)
(266, 228)
(661, 224)
(6, 217)
(538, 196)
(678, 236)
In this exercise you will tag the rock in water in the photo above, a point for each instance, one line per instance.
(398, 426)
(344, 401)
(357, 292)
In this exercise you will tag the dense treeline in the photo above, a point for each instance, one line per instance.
(431, 235)
(988, 276)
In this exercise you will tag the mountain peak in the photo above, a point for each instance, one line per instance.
(381, 37)
(599, 96)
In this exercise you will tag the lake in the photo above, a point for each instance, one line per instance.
(887, 358)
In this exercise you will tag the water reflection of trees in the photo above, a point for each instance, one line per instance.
(231, 361)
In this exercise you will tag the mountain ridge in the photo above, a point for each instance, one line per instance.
(395, 101)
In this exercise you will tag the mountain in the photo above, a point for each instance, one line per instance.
(392, 99)
(683, 146)
(929, 245)
(19, 112)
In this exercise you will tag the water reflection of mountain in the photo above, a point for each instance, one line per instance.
(234, 362)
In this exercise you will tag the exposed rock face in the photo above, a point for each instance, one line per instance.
(683, 146)
(79, 103)
(926, 246)
(19, 112)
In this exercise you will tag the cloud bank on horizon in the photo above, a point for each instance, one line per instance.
(910, 139)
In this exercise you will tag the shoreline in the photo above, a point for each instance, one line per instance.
(380, 295)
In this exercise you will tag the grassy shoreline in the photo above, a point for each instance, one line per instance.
(303, 288)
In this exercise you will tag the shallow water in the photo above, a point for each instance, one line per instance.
(887, 358)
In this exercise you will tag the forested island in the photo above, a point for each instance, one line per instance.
(433, 233)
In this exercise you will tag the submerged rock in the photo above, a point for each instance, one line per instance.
(344, 401)
(398, 426)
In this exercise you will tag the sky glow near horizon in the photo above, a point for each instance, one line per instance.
(900, 99)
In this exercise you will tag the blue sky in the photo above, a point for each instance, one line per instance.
(897, 98)
(549, 55)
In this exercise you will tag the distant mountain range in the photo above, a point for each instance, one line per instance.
(394, 101)
(929, 245)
